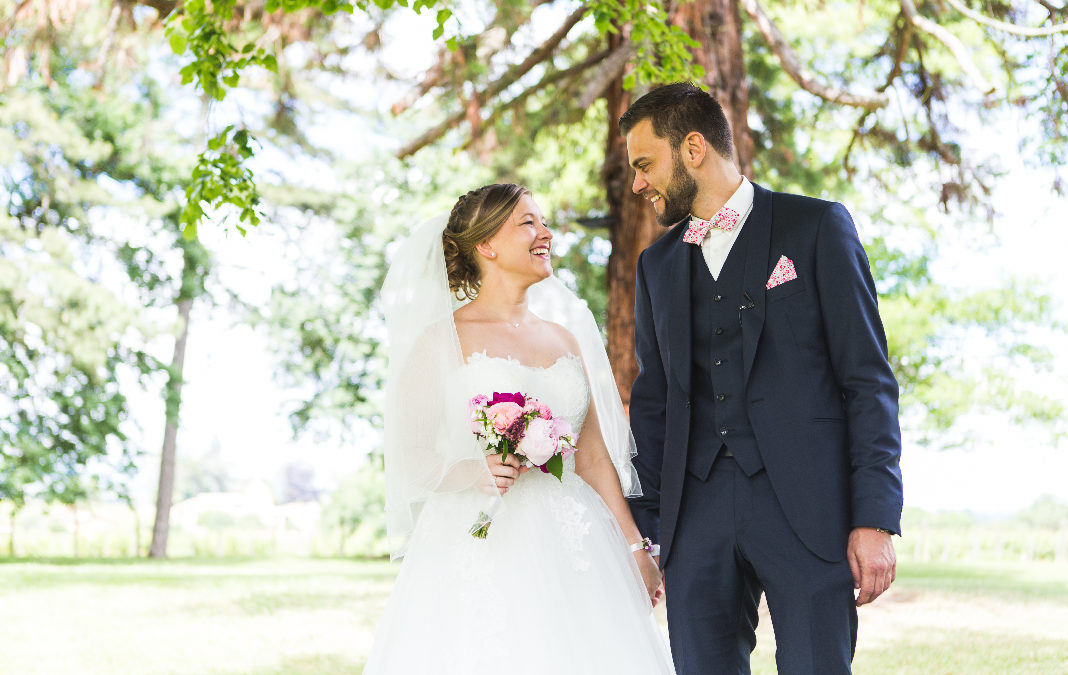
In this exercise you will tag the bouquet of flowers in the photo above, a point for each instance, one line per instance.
(524, 426)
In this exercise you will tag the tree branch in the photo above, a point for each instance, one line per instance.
(606, 73)
(1007, 27)
(433, 76)
(550, 79)
(954, 45)
(162, 7)
(895, 71)
(436, 74)
(1062, 88)
(497, 86)
(792, 65)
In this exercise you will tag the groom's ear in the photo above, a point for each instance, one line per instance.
(694, 149)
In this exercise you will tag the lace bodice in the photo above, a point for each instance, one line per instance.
(561, 386)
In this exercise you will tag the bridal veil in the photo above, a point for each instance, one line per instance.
(429, 446)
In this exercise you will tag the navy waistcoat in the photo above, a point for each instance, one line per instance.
(718, 379)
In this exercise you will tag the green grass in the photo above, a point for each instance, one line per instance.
(299, 617)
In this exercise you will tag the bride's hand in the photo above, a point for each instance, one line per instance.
(505, 473)
(650, 569)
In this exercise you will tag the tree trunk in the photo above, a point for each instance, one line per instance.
(165, 493)
(11, 534)
(716, 25)
(634, 227)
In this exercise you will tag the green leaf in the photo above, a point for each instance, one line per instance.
(178, 42)
(555, 466)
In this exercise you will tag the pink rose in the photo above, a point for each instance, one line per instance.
(538, 445)
(539, 407)
(503, 415)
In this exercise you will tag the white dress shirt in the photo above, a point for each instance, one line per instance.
(717, 244)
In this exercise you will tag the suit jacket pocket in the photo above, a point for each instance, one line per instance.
(785, 290)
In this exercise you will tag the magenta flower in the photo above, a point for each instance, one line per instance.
(516, 398)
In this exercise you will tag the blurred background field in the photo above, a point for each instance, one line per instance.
(251, 524)
(317, 617)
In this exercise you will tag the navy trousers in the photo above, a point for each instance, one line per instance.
(731, 544)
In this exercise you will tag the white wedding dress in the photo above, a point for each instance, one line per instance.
(553, 589)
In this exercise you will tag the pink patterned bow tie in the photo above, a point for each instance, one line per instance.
(724, 220)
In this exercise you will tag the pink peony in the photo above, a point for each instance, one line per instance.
(538, 445)
(561, 427)
(566, 449)
(503, 415)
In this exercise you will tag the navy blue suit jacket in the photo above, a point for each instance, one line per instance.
(820, 394)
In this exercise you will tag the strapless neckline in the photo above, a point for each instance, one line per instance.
(482, 356)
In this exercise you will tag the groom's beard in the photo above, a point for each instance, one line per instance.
(679, 196)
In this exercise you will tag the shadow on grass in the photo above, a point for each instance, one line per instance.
(187, 573)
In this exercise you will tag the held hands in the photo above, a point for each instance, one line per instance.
(650, 570)
(505, 473)
(873, 562)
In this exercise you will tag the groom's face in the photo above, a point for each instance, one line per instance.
(660, 175)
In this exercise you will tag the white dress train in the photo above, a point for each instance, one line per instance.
(553, 589)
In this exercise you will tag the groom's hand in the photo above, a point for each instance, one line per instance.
(873, 562)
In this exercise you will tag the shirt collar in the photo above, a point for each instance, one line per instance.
(741, 201)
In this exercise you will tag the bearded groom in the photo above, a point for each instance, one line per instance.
(765, 411)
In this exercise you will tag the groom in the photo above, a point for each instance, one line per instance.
(765, 411)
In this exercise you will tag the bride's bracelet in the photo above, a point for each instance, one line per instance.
(646, 544)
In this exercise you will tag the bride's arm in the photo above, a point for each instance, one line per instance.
(594, 465)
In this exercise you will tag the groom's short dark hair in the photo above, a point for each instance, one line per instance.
(677, 109)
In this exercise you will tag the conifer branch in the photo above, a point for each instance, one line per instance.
(792, 65)
(952, 43)
(1005, 26)
(543, 52)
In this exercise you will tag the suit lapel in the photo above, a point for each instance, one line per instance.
(679, 314)
(756, 273)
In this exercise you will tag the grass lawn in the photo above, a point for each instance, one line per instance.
(294, 617)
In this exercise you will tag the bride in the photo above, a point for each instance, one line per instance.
(563, 582)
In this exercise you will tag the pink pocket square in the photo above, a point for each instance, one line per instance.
(784, 271)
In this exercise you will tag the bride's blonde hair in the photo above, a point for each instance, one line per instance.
(476, 217)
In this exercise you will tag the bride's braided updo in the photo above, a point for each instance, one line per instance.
(475, 218)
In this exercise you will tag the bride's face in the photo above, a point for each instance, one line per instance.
(521, 247)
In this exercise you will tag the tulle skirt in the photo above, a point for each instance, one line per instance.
(553, 589)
